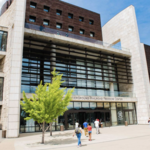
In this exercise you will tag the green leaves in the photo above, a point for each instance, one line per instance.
(48, 102)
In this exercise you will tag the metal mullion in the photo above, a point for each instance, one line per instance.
(98, 68)
(104, 62)
(86, 71)
(127, 71)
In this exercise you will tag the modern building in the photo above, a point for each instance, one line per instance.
(111, 82)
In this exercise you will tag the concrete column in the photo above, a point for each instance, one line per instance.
(111, 85)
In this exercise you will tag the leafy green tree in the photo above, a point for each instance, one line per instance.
(47, 103)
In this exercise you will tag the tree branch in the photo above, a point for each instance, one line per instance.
(47, 128)
(40, 126)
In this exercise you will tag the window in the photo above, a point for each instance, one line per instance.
(3, 40)
(32, 5)
(91, 22)
(70, 28)
(46, 8)
(1, 88)
(70, 16)
(92, 34)
(81, 31)
(81, 19)
(46, 22)
(32, 19)
(58, 12)
(58, 25)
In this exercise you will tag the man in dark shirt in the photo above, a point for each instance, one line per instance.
(85, 124)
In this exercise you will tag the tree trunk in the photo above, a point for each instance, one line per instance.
(43, 132)
(50, 129)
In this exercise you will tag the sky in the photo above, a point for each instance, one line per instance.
(109, 8)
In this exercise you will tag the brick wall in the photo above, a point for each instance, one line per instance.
(65, 8)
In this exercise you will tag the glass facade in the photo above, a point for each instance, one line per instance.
(109, 114)
(90, 72)
(3, 40)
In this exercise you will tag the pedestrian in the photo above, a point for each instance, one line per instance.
(97, 126)
(149, 122)
(85, 124)
(76, 124)
(90, 131)
(78, 133)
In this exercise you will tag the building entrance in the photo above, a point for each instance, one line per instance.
(72, 116)
(129, 116)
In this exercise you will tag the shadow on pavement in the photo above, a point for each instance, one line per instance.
(61, 134)
(57, 142)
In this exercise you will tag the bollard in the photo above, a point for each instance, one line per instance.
(61, 128)
(126, 123)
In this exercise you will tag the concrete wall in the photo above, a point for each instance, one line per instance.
(14, 19)
(123, 27)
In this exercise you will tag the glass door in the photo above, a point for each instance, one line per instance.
(107, 119)
(70, 123)
(129, 117)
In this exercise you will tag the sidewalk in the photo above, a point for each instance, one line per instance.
(113, 136)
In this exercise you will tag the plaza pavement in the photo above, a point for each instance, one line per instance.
(134, 137)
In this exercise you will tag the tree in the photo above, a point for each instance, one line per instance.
(47, 103)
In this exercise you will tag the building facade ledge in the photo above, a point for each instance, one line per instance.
(76, 42)
(95, 98)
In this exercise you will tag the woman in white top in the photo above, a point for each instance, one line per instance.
(76, 125)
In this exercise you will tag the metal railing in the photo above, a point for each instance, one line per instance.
(62, 33)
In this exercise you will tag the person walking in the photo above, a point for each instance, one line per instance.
(97, 126)
(149, 122)
(76, 124)
(78, 132)
(90, 131)
(85, 125)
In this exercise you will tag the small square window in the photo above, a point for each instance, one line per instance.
(46, 8)
(91, 22)
(46, 22)
(81, 19)
(32, 5)
(81, 31)
(92, 34)
(70, 28)
(70, 16)
(58, 25)
(58, 12)
(32, 19)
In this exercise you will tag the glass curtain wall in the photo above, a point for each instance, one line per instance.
(89, 71)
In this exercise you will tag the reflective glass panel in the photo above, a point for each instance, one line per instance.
(85, 105)
(70, 106)
(106, 105)
(100, 105)
(92, 105)
(77, 105)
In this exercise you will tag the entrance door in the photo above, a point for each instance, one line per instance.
(107, 119)
(129, 116)
(83, 116)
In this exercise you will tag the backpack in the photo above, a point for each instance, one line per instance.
(77, 131)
